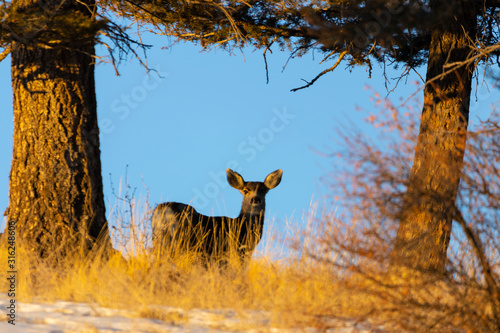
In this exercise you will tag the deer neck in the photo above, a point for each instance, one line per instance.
(255, 216)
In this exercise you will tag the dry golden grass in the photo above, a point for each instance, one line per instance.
(289, 290)
(294, 291)
(141, 284)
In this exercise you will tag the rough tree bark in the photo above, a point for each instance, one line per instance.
(55, 193)
(426, 220)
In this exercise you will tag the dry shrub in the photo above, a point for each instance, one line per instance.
(368, 185)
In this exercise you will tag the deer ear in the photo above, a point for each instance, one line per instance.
(234, 179)
(273, 179)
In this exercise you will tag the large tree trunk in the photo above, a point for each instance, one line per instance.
(55, 193)
(425, 224)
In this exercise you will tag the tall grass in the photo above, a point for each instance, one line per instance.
(281, 285)
(297, 278)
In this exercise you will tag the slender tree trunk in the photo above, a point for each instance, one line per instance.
(425, 224)
(55, 192)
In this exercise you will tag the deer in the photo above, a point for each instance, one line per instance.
(179, 227)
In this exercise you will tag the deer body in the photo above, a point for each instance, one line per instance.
(177, 226)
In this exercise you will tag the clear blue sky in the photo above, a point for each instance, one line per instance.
(177, 134)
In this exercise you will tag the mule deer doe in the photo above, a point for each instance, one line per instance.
(178, 226)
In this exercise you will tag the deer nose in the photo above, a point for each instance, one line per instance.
(255, 201)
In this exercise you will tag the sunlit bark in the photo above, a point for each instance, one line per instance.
(55, 192)
(426, 218)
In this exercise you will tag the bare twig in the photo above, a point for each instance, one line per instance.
(475, 242)
(341, 56)
(268, 48)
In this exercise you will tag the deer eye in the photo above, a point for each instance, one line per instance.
(245, 191)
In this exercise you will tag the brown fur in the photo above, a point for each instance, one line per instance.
(180, 226)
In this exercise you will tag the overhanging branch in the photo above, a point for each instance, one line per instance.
(341, 56)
